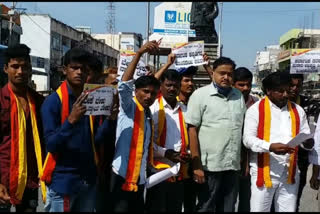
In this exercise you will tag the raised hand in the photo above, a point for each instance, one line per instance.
(171, 58)
(78, 109)
(149, 47)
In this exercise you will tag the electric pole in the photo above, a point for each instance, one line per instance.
(11, 13)
(111, 22)
(147, 31)
(220, 27)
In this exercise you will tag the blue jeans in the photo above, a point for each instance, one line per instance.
(82, 201)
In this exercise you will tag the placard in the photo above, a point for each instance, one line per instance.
(125, 60)
(189, 54)
(99, 100)
(305, 62)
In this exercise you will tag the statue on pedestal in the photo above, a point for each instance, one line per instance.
(202, 21)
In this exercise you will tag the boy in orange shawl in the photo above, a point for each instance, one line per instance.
(133, 138)
(21, 148)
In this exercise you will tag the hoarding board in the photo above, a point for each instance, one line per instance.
(172, 22)
(305, 61)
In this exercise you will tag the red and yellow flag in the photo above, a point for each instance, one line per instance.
(264, 127)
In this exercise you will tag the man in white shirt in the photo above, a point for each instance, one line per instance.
(314, 158)
(168, 146)
(269, 125)
(242, 80)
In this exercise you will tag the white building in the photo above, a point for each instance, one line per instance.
(266, 61)
(49, 39)
(122, 41)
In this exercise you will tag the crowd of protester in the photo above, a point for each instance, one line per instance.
(230, 144)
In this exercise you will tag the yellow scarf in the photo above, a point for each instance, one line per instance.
(136, 149)
(18, 164)
(162, 133)
(263, 133)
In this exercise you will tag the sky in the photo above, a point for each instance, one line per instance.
(247, 27)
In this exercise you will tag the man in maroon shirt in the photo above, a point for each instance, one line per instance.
(17, 66)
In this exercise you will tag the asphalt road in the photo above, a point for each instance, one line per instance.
(308, 202)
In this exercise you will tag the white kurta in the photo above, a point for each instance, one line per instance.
(173, 133)
(285, 194)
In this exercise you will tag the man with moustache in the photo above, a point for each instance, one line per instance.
(170, 145)
(296, 85)
(215, 117)
(21, 138)
(269, 125)
(134, 137)
(242, 80)
(190, 186)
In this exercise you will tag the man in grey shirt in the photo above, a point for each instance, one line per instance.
(215, 118)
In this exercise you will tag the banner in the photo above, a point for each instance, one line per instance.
(99, 100)
(305, 62)
(125, 59)
(189, 54)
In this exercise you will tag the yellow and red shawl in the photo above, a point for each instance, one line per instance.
(264, 134)
(51, 159)
(136, 149)
(18, 162)
(161, 139)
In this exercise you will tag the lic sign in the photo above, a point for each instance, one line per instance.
(178, 17)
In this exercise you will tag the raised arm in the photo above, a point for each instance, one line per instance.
(207, 66)
(147, 47)
(171, 59)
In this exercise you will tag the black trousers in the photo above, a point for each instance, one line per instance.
(303, 164)
(244, 193)
(29, 202)
(191, 191)
(219, 192)
(165, 197)
(103, 192)
(124, 201)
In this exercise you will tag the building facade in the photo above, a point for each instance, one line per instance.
(5, 38)
(266, 62)
(123, 41)
(296, 41)
(49, 39)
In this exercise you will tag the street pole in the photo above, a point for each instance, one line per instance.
(147, 31)
(220, 27)
(11, 14)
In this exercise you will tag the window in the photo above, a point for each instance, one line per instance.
(55, 40)
(40, 62)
